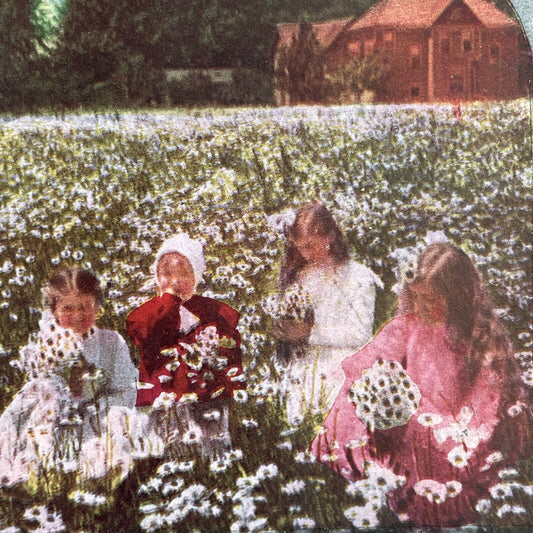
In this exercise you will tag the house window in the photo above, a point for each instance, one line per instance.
(467, 45)
(494, 53)
(414, 52)
(354, 47)
(474, 77)
(456, 15)
(415, 92)
(456, 84)
(445, 46)
(369, 47)
(456, 44)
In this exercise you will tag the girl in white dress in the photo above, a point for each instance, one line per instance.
(75, 413)
(342, 295)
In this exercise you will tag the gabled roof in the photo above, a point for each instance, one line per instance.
(326, 32)
(488, 14)
(424, 13)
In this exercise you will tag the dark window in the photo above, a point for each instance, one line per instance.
(414, 52)
(445, 46)
(467, 45)
(456, 44)
(456, 15)
(494, 51)
(474, 77)
(456, 84)
(354, 48)
(415, 92)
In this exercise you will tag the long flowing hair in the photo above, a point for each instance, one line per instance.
(311, 218)
(470, 317)
(69, 280)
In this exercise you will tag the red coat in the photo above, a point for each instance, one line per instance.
(165, 365)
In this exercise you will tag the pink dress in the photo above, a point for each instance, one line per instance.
(448, 436)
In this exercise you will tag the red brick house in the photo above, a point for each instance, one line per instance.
(436, 50)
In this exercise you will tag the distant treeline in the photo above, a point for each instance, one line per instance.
(63, 54)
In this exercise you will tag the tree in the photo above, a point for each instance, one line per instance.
(299, 69)
(217, 33)
(47, 18)
(318, 10)
(346, 83)
(18, 54)
(110, 52)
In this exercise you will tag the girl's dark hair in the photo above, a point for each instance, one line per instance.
(471, 320)
(70, 280)
(312, 217)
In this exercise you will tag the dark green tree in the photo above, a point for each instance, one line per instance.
(300, 67)
(110, 52)
(318, 10)
(18, 55)
(218, 33)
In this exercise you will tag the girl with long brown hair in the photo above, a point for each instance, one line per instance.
(342, 297)
(435, 400)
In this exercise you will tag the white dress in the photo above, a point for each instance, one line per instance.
(46, 427)
(343, 302)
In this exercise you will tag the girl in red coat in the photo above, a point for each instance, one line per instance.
(431, 409)
(189, 347)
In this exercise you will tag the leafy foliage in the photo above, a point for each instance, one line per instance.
(349, 80)
(47, 18)
(109, 52)
(18, 54)
(300, 67)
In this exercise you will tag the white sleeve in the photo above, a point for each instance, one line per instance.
(359, 305)
(123, 374)
(344, 317)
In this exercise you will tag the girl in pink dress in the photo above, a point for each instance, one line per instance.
(434, 402)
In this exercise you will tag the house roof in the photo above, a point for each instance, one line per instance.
(424, 13)
(326, 32)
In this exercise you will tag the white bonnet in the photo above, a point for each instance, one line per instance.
(192, 249)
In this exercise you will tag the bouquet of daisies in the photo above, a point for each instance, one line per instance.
(205, 350)
(294, 304)
(52, 351)
(385, 396)
(57, 351)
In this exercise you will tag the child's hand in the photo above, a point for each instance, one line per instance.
(292, 330)
(177, 291)
(75, 381)
(95, 383)
(174, 291)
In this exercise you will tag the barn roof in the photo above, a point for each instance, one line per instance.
(424, 13)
